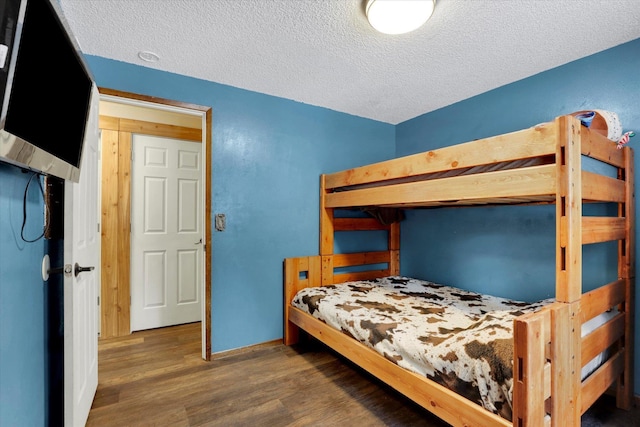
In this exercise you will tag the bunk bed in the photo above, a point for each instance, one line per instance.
(543, 164)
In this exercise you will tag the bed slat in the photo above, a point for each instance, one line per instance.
(603, 337)
(602, 188)
(361, 258)
(598, 382)
(602, 299)
(531, 181)
(602, 229)
(358, 224)
(599, 147)
(360, 275)
(541, 199)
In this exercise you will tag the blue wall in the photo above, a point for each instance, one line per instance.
(268, 154)
(510, 251)
(23, 342)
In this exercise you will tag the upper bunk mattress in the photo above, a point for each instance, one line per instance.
(459, 339)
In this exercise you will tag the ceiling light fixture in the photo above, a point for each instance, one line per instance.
(398, 16)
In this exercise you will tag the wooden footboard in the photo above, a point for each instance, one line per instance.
(299, 273)
(305, 272)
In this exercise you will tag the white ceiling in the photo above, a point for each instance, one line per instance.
(325, 53)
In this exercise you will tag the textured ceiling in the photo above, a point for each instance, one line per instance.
(324, 52)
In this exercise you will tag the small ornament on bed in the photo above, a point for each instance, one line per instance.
(624, 139)
(586, 118)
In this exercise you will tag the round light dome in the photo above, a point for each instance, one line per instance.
(398, 16)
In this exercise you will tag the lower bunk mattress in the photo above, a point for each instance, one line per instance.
(459, 339)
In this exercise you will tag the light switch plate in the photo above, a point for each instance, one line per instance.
(221, 222)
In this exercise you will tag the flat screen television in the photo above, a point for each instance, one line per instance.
(47, 91)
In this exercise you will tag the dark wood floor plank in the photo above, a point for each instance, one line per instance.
(158, 378)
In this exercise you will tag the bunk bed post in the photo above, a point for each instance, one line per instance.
(626, 267)
(566, 388)
(394, 249)
(626, 271)
(565, 366)
(568, 211)
(326, 235)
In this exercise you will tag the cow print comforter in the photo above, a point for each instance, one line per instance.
(459, 339)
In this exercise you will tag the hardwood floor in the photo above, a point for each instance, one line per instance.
(157, 378)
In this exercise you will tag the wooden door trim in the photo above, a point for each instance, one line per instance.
(124, 128)
(123, 232)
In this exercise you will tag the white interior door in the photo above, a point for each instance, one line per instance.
(166, 232)
(82, 250)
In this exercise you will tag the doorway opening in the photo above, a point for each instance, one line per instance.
(124, 117)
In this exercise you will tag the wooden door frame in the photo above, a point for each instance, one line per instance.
(115, 293)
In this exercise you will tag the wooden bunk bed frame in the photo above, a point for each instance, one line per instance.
(548, 349)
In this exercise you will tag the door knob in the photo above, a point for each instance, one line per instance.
(79, 269)
(47, 270)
